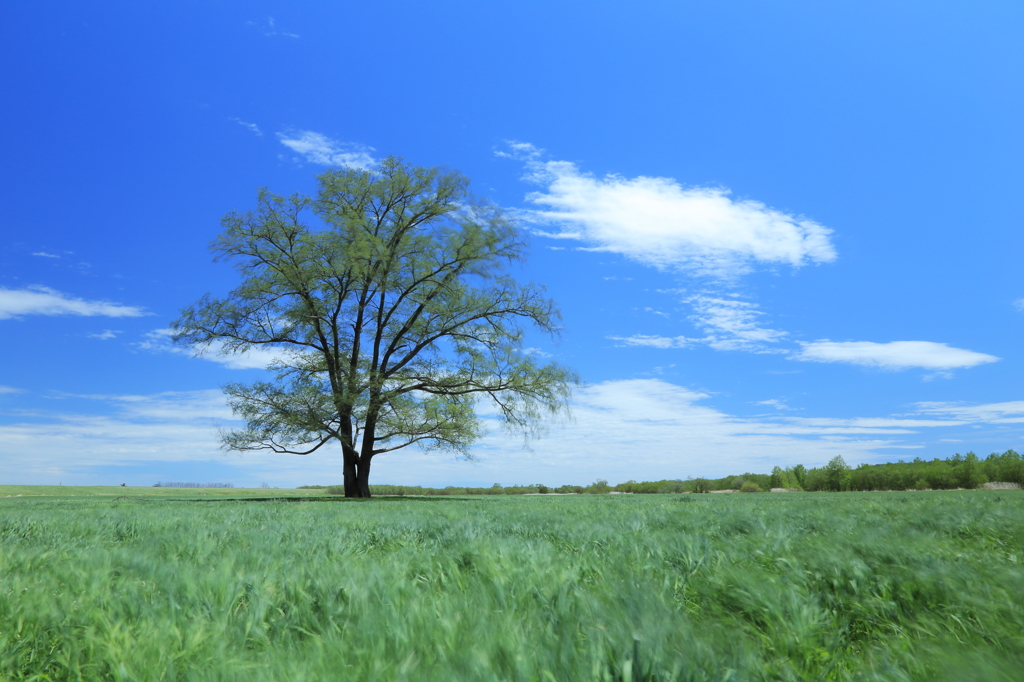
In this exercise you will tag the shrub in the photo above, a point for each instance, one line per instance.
(750, 487)
(700, 485)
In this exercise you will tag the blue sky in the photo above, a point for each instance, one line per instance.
(777, 232)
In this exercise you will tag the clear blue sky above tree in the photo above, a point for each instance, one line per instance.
(777, 232)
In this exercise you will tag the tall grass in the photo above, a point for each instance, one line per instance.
(858, 586)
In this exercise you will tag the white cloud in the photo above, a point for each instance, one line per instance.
(731, 324)
(272, 30)
(1019, 304)
(895, 355)
(38, 300)
(167, 427)
(10, 389)
(43, 254)
(648, 429)
(1011, 412)
(318, 148)
(649, 341)
(252, 127)
(776, 403)
(159, 340)
(728, 324)
(659, 222)
(105, 334)
(642, 429)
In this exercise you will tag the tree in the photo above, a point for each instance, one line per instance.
(800, 472)
(389, 320)
(837, 473)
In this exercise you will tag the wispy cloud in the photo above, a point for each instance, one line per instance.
(654, 341)
(252, 127)
(39, 300)
(992, 413)
(659, 222)
(669, 424)
(318, 148)
(159, 341)
(10, 389)
(672, 426)
(105, 335)
(1019, 304)
(270, 29)
(728, 324)
(43, 254)
(895, 355)
(776, 403)
(732, 324)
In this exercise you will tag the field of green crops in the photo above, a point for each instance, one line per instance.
(847, 586)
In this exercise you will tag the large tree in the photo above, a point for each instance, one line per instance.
(388, 305)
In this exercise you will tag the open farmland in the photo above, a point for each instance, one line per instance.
(851, 586)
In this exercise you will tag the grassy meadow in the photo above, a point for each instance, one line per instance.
(173, 584)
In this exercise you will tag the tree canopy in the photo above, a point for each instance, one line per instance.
(387, 301)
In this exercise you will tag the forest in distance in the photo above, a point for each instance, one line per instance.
(956, 472)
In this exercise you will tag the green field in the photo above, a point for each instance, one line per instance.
(847, 586)
(111, 492)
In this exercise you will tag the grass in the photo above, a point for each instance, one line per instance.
(851, 586)
(110, 491)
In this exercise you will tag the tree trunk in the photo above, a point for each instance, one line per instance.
(369, 429)
(351, 479)
(363, 479)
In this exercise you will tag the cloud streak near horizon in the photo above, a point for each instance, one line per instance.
(678, 433)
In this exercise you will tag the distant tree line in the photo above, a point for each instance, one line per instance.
(958, 471)
(180, 484)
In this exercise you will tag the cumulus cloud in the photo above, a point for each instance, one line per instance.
(320, 149)
(895, 355)
(660, 222)
(39, 300)
(159, 340)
